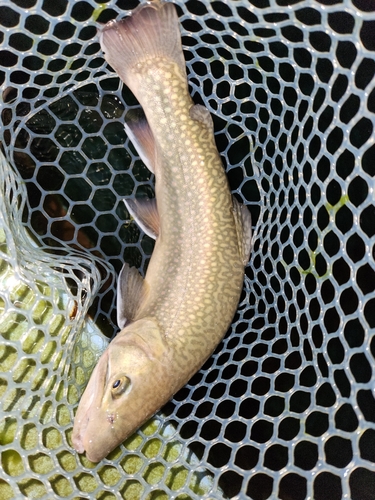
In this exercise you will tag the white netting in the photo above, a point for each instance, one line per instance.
(285, 408)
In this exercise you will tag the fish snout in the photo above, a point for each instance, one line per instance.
(94, 447)
(96, 450)
(79, 433)
(77, 443)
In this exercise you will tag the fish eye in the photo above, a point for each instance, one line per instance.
(120, 385)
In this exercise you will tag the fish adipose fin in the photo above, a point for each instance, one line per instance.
(145, 213)
(150, 32)
(132, 290)
(139, 132)
(242, 218)
(201, 114)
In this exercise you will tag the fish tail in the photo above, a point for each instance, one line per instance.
(151, 31)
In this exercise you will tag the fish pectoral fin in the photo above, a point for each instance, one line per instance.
(146, 334)
(201, 114)
(242, 218)
(132, 290)
(145, 213)
(139, 132)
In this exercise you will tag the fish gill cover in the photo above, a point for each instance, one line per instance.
(285, 407)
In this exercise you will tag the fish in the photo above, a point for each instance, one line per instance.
(171, 320)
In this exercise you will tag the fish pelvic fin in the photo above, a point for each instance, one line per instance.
(139, 132)
(132, 291)
(242, 218)
(150, 32)
(145, 214)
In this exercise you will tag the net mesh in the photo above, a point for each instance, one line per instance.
(285, 407)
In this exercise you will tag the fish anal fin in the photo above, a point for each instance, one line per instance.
(132, 291)
(242, 218)
(201, 114)
(145, 213)
(139, 132)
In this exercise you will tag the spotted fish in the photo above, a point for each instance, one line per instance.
(172, 320)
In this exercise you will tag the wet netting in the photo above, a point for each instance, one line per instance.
(285, 407)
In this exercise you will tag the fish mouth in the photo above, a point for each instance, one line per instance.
(89, 405)
(81, 445)
(96, 431)
(88, 440)
(95, 452)
(96, 443)
(78, 443)
(81, 423)
(96, 457)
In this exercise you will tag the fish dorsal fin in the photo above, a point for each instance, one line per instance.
(145, 213)
(132, 291)
(201, 114)
(242, 218)
(139, 132)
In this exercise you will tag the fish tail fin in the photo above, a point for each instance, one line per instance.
(151, 31)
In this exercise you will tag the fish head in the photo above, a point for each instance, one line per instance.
(129, 384)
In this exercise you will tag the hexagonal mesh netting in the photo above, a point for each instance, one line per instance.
(285, 407)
